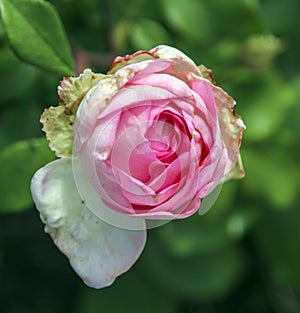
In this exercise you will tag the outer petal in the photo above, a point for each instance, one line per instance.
(184, 63)
(98, 252)
(58, 127)
(231, 126)
(58, 121)
(159, 52)
(137, 57)
(72, 89)
(97, 98)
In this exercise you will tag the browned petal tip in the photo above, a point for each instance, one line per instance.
(207, 73)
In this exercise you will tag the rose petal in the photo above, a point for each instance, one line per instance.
(72, 89)
(182, 60)
(203, 88)
(173, 85)
(139, 56)
(98, 252)
(97, 98)
(231, 126)
(133, 96)
(93, 103)
(178, 206)
(107, 192)
(58, 127)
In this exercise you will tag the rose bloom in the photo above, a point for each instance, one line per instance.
(155, 137)
(152, 138)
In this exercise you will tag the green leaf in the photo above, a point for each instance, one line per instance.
(190, 18)
(265, 105)
(129, 293)
(13, 116)
(205, 277)
(2, 31)
(222, 225)
(36, 34)
(194, 232)
(271, 175)
(19, 162)
(146, 34)
(16, 77)
(277, 239)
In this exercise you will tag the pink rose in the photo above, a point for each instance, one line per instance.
(155, 137)
(145, 142)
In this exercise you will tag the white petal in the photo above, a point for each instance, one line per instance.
(97, 251)
(167, 52)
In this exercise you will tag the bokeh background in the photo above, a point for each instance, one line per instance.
(243, 256)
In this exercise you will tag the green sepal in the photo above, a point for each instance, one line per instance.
(207, 73)
(58, 127)
(72, 89)
(58, 121)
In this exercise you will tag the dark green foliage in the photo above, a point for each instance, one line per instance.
(36, 34)
(19, 162)
(243, 255)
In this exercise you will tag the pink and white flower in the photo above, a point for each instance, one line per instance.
(152, 138)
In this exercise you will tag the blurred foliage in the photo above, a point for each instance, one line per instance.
(243, 255)
(19, 162)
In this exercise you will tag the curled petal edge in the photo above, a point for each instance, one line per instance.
(98, 252)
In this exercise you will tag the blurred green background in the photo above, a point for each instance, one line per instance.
(243, 256)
